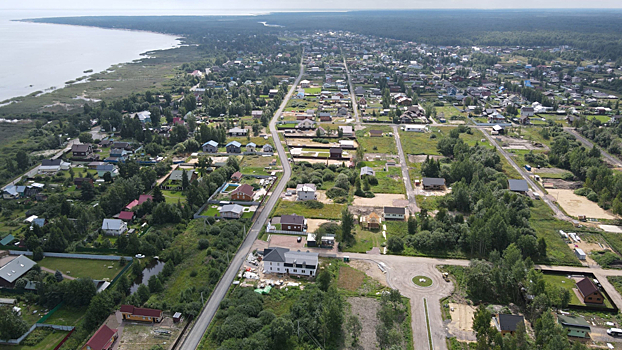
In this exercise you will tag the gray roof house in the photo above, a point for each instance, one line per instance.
(250, 147)
(518, 186)
(210, 146)
(234, 147)
(267, 148)
(282, 260)
(15, 269)
(231, 211)
(366, 170)
(114, 227)
(433, 183)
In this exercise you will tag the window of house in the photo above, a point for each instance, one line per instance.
(270, 262)
(303, 271)
(295, 270)
(278, 269)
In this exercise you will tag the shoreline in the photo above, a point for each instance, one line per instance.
(180, 41)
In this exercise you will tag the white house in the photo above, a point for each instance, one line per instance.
(394, 213)
(282, 260)
(52, 166)
(305, 192)
(114, 227)
(416, 127)
(346, 130)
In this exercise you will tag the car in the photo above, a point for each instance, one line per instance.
(139, 256)
(614, 332)
(299, 239)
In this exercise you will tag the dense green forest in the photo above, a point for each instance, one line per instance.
(596, 31)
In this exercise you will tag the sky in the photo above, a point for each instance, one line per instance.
(258, 6)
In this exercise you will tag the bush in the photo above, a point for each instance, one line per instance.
(193, 273)
(568, 176)
(203, 243)
(395, 244)
(592, 196)
(336, 192)
(584, 191)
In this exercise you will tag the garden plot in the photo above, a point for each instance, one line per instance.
(366, 309)
(382, 200)
(576, 205)
(421, 158)
(146, 336)
(314, 224)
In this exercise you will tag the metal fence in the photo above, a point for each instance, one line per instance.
(35, 326)
(73, 255)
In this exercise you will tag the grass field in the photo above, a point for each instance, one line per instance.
(365, 240)
(564, 282)
(172, 197)
(419, 143)
(95, 269)
(547, 226)
(384, 144)
(47, 343)
(67, 316)
(330, 211)
(387, 184)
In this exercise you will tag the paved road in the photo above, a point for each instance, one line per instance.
(558, 212)
(410, 192)
(198, 330)
(352, 95)
(606, 156)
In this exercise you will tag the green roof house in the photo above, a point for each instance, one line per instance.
(575, 326)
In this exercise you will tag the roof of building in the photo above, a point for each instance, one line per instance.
(586, 287)
(139, 311)
(335, 149)
(102, 338)
(433, 181)
(6, 240)
(132, 204)
(80, 147)
(301, 258)
(518, 185)
(394, 210)
(234, 208)
(572, 321)
(16, 268)
(38, 221)
(112, 224)
(292, 219)
(244, 188)
(366, 170)
(375, 132)
(373, 217)
(234, 143)
(126, 215)
(346, 128)
(509, 322)
(177, 174)
(236, 175)
(267, 146)
(211, 143)
(250, 144)
(144, 197)
(51, 162)
(237, 130)
(275, 254)
(305, 187)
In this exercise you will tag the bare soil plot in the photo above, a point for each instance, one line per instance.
(461, 325)
(381, 156)
(314, 224)
(381, 200)
(309, 143)
(562, 184)
(321, 197)
(421, 158)
(319, 160)
(371, 269)
(350, 279)
(138, 336)
(419, 191)
(576, 205)
(611, 228)
(587, 247)
(516, 143)
(366, 309)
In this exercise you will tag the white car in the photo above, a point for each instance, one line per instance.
(139, 256)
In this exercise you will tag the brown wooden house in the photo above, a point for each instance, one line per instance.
(589, 292)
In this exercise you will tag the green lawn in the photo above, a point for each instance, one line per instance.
(67, 316)
(422, 281)
(313, 91)
(211, 210)
(547, 226)
(420, 143)
(365, 240)
(95, 269)
(384, 144)
(562, 281)
(172, 197)
(329, 211)
(47, 343)
(387, 184)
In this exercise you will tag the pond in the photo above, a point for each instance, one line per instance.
(154, 268)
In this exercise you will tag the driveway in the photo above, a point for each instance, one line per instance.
(410, 192)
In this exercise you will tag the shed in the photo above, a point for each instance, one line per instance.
(177, 317)
(518, 186)
(579, 253)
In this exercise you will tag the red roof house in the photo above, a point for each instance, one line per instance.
(236, 177)
(103, 339)
(244, 192)
(132, 204)
(142, 199)
(126, 215)
(133, 313)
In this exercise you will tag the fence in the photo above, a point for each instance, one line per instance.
(64, 339)
(35, 326)
(74, 256)
(51, 312)
(125, 268)
(296, 233)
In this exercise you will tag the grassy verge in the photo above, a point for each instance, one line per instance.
(547, 226)
(427, 322)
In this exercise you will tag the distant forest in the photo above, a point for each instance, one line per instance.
(599, 32)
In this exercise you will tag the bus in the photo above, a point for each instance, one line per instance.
(614, 332)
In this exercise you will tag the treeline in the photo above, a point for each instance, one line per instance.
(496, 216)
(594, 31)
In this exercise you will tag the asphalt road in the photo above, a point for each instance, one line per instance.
(410, 192)
(200, 327)
(606, 156)
(352, 95)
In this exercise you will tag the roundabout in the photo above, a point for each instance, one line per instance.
(422, 281)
